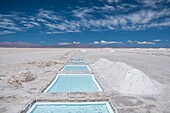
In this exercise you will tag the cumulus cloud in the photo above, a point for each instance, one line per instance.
(144, 42)
(141, 42)
(68, 43)
(130, 41)
(106, 42)
(156, 40)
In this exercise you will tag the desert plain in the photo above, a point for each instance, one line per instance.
(26, 72)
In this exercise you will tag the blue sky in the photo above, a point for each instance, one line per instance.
(131, 23)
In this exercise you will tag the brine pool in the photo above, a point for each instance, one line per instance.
(74, 83)
(76, 68)
(71, 107)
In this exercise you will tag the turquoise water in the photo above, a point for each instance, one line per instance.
(71, 108)
(75, 68)
(74, 83)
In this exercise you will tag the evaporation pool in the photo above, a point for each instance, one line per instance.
(74, 83)
(70, 107)
(76, 68)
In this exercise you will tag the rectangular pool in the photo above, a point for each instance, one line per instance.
(74, 83)
(76, 68)
(71, 107)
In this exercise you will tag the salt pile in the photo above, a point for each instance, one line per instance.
(20, 77)
(126, 79)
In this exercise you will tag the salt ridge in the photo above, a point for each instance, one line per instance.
(126, 79)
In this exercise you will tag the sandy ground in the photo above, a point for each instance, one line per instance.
(44, 64)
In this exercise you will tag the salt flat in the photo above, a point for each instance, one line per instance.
(43, 64)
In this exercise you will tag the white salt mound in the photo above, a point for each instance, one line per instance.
(126, 79)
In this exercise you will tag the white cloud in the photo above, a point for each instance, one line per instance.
(10, 27)
(82, 12)
(96, 42)
(111, 1)
(156, 40)
(139, 20)
(30, 24)
(48, 14)
(35, 23)
(130, 41)
(142, 17)
(41, 20)
(8, 24)
(76, 42)
(141, 42)
(61, 32)
(64, 27)
(94, 18)
(105, 8)
(152, 3)
(16, 23)
(68, 43)
(148, 2)
(6, 32)
(158, 25)
(106, 42)
(144, 42)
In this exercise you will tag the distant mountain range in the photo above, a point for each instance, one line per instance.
(30, 45)
(18, 44)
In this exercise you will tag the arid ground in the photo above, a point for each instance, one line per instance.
(25, 72)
